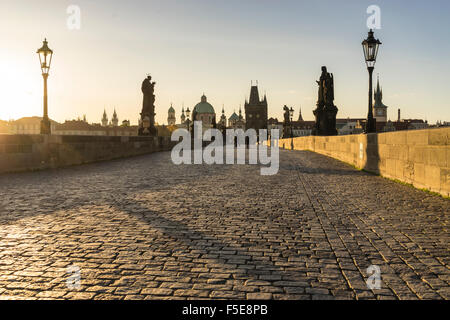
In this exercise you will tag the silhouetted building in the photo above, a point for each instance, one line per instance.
(302, 128)
(171, 116)
(299, 128)
(183, 116)
(255, 111)
(204, 112)
(223, 120)
(104, 119)
(348, 126)
(28, 125)
(82, 128)
(300, 118)
(114, 119)
(233, 119)
(274, 124)
(379, 109)
(405, 124)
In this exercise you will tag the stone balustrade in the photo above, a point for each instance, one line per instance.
(417, 157)
(35, 152)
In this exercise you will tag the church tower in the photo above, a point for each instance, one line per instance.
(183, 116)
(115, 119)
(223, 119)
(300, 118)
(171, 116)
(379, 109)
(104, 119)
(256, 110)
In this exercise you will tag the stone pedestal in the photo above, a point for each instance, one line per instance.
(325, 120)
(146, 127)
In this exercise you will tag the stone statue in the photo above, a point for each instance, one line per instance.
(286, 115)
(148, 89)
(326, 88)
(320, 98)
(147, 123)
(326, 111)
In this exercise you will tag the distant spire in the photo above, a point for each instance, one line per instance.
(300, 118)
(378, 82)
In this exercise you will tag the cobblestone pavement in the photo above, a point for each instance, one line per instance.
(143, 228)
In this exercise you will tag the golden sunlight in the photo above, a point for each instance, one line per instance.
(21, 93)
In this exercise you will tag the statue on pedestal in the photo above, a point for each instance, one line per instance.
(286, 122)
(147, 123)
(326, 111)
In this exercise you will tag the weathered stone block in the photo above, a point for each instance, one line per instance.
(390, 167)
(382, 138)
(433, 177)
(445, 182)
(383, 151)
(437, 156)
(419, 173)
(399, 168)
(438, 137)
(417, 137)
(417, 154)
(396, 138)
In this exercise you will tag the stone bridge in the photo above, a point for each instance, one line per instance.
(143, 228)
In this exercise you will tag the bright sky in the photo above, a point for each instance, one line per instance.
(218, 47)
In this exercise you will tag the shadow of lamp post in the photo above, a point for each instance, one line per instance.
(45, 58)
(370, 47)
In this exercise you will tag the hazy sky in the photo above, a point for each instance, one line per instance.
(218, 47)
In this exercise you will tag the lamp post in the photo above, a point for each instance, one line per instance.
(45, 59)
(291, 117)
(188, 122)
(370, 47)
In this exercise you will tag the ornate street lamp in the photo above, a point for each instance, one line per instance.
(291, 117)
(45, 58)
(370, 47)
(188, 113)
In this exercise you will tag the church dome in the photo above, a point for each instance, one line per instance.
(234, 116)
(171, 109)
(203, 106)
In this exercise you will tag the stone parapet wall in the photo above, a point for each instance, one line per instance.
(35, 152)
(418, 157)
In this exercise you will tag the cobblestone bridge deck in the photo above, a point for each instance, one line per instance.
(145, 228)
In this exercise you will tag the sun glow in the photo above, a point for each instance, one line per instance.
(21, 94)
